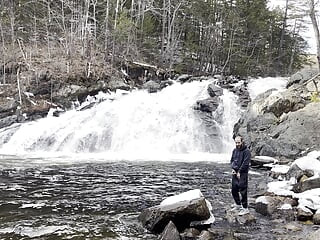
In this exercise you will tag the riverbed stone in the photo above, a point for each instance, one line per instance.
(316, 217)
(207, 105)
(296, 172)
(170, 232)
(304, 214)
(189, 234)
(234, 218)
(314, 235)
(306, 185)
(214, 91)
(181, 214)
(206, 235)
(267, 205)
(151, 86)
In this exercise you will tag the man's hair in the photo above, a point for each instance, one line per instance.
(239, 137)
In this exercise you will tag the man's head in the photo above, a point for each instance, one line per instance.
(239, 141)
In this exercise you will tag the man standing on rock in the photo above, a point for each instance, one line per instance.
(240, 163)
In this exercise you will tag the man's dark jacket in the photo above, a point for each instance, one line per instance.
(240, 159)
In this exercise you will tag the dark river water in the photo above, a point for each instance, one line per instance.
(103, 200)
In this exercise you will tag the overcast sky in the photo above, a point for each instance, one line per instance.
(308, 34)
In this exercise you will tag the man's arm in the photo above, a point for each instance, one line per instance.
(246, 161)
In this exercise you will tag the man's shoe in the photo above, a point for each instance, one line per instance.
(243, 211)
(235, 207)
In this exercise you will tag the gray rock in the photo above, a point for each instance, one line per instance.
(183, 78)
(8, 105)
(259, 162)
(151, 86)
(181, 214)
(233, 218)
(206, 235)
(214, 91)
(7, 121)
(117, 83)
(294, 172)
(306, 185)
(304, 214)
(314, 235)
(316, 217)
(170, 232)
(207, 105)
(190, 233)
(301, 76)
(266, 135)
(267, 205)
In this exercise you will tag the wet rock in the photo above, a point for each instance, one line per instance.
(184, 78)
(218, 232)
(304, 214)
(266, 205)
(285, 211)
(296, 172)
(118, 83)
(233, 218)
(316, 217)
(165, 83)
(170, 232)
(214, 91)
(292, 226)
(207, 105)
(151, 86)
(206, 235)
(180, 213)
(313, 236)
(190, 234)
(7, 121)
(306, 185)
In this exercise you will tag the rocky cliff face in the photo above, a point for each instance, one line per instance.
(283, 124)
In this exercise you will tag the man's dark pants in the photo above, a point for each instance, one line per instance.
(240, 186)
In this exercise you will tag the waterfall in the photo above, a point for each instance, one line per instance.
(138, 125)
(257, 86)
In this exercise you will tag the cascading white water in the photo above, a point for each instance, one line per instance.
(257, 86)
(136, 125)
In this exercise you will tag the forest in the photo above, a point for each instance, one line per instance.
(238, 37)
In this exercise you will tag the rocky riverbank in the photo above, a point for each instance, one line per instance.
(284, 124)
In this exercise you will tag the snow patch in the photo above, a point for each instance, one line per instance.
(186, 196)
(286, 206)
(262, 199)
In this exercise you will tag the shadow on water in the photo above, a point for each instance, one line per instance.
(103, 200)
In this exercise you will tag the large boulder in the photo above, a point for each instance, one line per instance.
(302, 76)
(181, 212)
(267, 134)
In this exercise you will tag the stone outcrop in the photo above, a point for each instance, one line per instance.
(280, 125)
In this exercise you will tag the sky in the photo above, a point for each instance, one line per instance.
(308, 35)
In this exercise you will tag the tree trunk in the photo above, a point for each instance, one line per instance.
(315, 28)
(3, 56)
(284, 24)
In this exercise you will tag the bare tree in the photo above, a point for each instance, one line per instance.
(312, 14)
